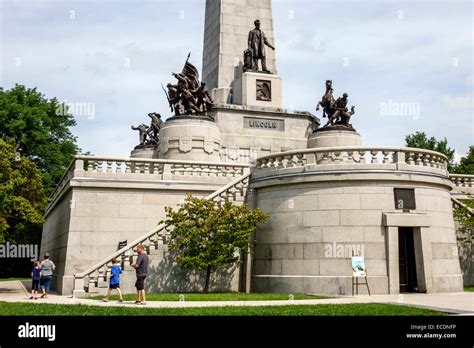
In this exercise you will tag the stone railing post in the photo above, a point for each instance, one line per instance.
(78, 167)
(399, 158)
(78, 288)
(167, 175)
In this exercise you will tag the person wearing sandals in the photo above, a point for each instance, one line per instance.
(35, 276)
(47, 268)
(114, 282)
(141, 267)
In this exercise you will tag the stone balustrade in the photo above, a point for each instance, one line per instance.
(463, 182)
(115, 165)
(355, 157)
(152, 169)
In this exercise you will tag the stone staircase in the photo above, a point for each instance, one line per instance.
(94, 280)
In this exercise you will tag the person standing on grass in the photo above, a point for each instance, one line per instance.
(114, 282)
(35, 276)
(47, 268)
(141, 267)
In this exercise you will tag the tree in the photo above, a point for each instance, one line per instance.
(466, 165)
(22, 197)
(40, 130)
(465, 235)
(421, 141)
(206, 237)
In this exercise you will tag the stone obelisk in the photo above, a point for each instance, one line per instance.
(227, 25)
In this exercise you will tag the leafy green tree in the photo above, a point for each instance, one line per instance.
(420, 140)
(22, 198)
(465, 235)
(40, 130)
(206, 237)
(466, 165)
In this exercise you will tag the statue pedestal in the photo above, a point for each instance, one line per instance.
(222, 95)
(258, 89)
(144, 151)
(194, 138)
(334, 138)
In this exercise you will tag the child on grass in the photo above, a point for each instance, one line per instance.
(114, 282)
(35, 276)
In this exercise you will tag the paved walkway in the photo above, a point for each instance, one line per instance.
(456, 303)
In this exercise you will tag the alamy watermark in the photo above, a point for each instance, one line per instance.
(37, 331)
(338, 250)
(86, 109)
(402, 109)
(8, 250)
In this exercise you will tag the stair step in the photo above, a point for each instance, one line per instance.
(103, 285)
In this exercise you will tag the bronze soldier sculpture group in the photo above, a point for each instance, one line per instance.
(189, 96)
(149, 135)
(335, 110)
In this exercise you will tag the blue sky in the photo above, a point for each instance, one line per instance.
(114, 55)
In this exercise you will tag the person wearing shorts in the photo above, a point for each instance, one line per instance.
(114, 282)
(141, 267)
(47, 268)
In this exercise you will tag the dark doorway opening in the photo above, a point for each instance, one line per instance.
(406, 260)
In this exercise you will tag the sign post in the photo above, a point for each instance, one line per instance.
(358, 271)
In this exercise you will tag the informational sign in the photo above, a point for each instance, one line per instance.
(358, 266)
(264, 123)
(404, 198)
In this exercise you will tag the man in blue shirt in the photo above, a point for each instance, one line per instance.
(114, 282)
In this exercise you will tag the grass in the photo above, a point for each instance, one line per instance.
(469, 288)
(355, 309)
(217, 296)
(11, 279)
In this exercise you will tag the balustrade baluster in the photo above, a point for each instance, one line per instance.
(128, 167)
(300, 159)
(100, 166)
(419, 159)
(350, 156)
(374, 154)
(426, 160)
(146, 167)
(362, 156)
(289, 161)
(109, 167)
(386, 158)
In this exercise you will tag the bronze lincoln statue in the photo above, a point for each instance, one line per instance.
(256, 46)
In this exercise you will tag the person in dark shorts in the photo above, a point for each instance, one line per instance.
(141, 267)
(47, 268)
(114, 282)
(35, 276)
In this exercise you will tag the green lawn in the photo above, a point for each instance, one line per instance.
(217, 296)
(469, 288)
(356, 309)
